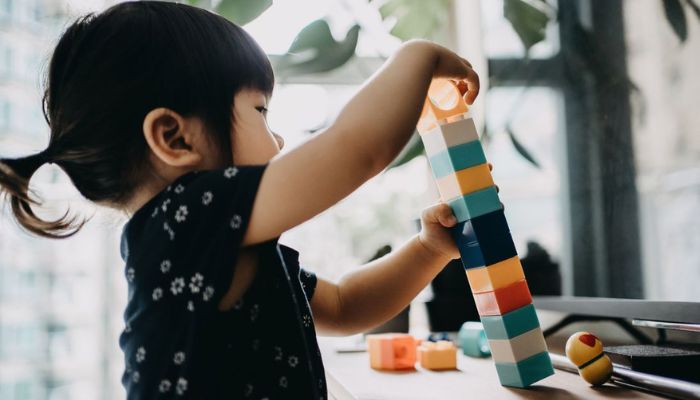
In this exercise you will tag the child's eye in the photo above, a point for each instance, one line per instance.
(262, 109)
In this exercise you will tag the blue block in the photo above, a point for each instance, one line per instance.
(456, 158)
(525, 372)
(512, 324)
(475, 204)
(484, 240)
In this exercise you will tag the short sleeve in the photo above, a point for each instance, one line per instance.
(308, 282)
(182, 252)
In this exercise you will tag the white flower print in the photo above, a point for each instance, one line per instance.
(164, 206)
(190, 305)
(293, 361)
(196, 282)
(307, 320)
(181, 214)
(248, 390)
(179, 188)
(177, 285)
(169, 187)
(208, 293)
(154, 213)
(284, 382)
(207, 197)
(230, 172)
(167, 228)
(236, 221)
(140, 354)
(127, 327)
(278, 353)
(165, 266)
(157, 294)
(164, 386)
(181, 386)
(179, 358)
(135, 377)
(130, 274)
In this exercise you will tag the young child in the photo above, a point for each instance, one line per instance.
(158, 109)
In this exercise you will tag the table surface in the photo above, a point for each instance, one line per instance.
(350, 377)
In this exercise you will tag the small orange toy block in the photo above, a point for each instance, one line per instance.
(391, 351)
(495, 276)
(439, 355)
(444, 103)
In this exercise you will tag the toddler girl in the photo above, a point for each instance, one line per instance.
(159, 110)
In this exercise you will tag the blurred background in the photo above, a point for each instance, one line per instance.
(588, 111)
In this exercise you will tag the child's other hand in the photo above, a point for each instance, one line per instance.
(436, 222)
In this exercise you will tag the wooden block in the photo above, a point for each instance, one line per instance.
(475, 204)
(495, 276)
(525, 372)
(439, 355)
(464, 181)
(391, 351)
(484, 240)
(512, 324)
(518, 348)
(451, 134)
(503, 300)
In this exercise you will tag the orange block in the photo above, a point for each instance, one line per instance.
(464, 181)
(391, 351)
(503, 300)
(438, 356)
(495, 276)
(443, 104)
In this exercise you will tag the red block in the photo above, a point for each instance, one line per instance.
(503, 300)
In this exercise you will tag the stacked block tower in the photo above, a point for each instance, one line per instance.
(482, 235)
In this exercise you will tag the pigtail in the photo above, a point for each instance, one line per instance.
(14, 183)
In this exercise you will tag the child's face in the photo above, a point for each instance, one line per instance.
(252, 141)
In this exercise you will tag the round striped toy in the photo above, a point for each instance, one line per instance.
(585, 350)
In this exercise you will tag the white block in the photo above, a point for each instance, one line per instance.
(449, 135)
(518, 348)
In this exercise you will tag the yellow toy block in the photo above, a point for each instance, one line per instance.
(495, 276)
(439, 355)
(391, 351)
(585, 350)
(464, 182)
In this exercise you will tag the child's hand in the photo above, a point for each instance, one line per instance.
(436, 222)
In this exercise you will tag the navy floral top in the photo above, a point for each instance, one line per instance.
(180, 251)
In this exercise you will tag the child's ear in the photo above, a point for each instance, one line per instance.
(171, 138)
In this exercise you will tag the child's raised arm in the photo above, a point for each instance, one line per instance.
(367, 135)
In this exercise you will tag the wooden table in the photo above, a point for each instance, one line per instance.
(350, 377)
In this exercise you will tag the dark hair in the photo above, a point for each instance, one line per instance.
(107, 72)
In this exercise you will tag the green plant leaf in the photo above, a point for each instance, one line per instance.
(528, 21)
(315, 50)
(521, 149)
(242, 11)
(417, 18)
(411, 150)
(673, 9)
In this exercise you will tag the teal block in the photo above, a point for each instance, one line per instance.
(456, 158)
(525, 372)
(512, 324)
(475, 204)
(472, 340)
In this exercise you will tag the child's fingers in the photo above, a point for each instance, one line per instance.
(440, 213)
(490, 167)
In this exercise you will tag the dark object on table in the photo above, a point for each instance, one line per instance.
(452, 303)
(673, 360)
(542, 274)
